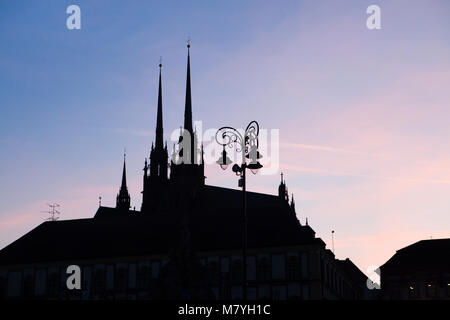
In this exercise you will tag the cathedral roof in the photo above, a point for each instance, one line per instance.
(214, 224)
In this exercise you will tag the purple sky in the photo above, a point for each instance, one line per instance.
(363, 116)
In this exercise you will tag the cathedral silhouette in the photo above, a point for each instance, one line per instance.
(184, 243)
(186, 178)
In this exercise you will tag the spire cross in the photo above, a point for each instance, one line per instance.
(281, 177)
(189, 42)
(160, 62)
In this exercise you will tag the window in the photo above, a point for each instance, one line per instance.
(40, 282)
(236, 271)
(251, 268)
(132, 275)
(155, 270)
(304, 261)
(121, 279)
(225, 265)
(294, 291)
(53, 281)
(251, 293)
(305, 292)
(99, 280)
(413, 291)
(64, 292)
(263, 269)
(236, 293)
(143, 277)
(213, 272)
(264, 292)
(430, 290)
(279, 293)
(109, 277)
(293, 268)
(225, 286)
(28, 286)
(14, 284)
(278, 266)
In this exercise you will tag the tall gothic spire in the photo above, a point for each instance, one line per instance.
(124, 175)
(159, 119)
(188, 103)
(123, 197)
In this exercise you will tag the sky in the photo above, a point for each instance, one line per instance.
(363, 115)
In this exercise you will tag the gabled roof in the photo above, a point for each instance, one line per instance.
(423, 254)
(215, 224)
(355, 275)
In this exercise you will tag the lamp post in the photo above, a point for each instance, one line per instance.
(247, 145)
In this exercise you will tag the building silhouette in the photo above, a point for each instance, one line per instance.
(184, 243)
(420, 271)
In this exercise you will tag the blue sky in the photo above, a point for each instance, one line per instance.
(363, 115)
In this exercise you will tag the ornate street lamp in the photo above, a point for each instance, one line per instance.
(224, 161)
(247, 145)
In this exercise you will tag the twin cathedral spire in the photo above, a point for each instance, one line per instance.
(163, 192)
(186, 162)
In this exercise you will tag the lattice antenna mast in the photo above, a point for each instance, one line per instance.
(54, 213)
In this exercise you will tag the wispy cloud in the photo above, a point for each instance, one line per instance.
(321, 171)
(291, 145)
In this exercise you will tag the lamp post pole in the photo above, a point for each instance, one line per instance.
(244, 234)
(248, 146)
